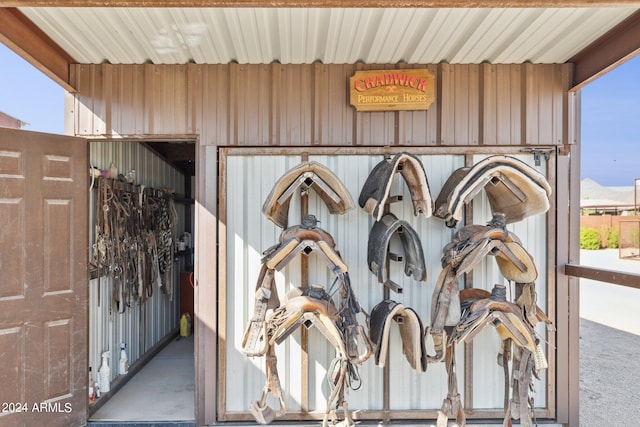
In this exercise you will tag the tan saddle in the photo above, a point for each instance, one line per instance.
(305, 176)
(273, 321)
(513, 188)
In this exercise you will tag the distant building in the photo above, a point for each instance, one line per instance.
(596, 199)
(6, 121)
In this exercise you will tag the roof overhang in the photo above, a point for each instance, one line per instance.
(594, 35)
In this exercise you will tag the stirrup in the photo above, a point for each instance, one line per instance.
(263, 413)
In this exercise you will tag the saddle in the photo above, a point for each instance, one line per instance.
(513, 188)
(411, 331)
(375, 191)
(377, 248)
(469, 247)
(505, 316)
(306, 175)
(480, 309)
(310, 307)
(305, 238)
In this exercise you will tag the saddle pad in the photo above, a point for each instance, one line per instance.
(411, 331)
(375, 191)
(378, 248)
(513, 188)
(306, 175)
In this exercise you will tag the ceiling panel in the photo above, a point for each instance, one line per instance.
(329, 35)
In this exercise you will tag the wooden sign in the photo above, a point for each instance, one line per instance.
(392, 90)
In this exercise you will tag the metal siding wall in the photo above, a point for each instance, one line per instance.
(332, 126)
(281, 106)
(249, 180)
(420, 127)
(141, 327)
(249, 233)
(502, 104)
(460, 105)
(293, 105)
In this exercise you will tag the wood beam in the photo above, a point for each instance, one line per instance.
(31, 43)
(321, 3)
(629, 280)
(611, 50)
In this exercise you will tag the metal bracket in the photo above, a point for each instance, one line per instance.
(537, 152)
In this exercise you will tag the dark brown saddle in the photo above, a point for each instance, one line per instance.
(378, 248)
(375, 191)
(513, 188)
(411, 330)
(305, 176)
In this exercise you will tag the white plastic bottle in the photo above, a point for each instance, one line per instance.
(91, 391)
(124, 360)
(105, 374)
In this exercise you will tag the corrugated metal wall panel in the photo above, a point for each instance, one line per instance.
(140, 327)
(420, 127)
(460, 105)
(247, 236)
(249, 233)
(252, 105)
(546, 105)
(502, 104)
(331, 126)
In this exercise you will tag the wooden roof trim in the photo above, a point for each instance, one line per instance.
(321, 3)
(614, 48)
(31, 43)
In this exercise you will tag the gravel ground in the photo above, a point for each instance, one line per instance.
(609, 376)
(609, 346)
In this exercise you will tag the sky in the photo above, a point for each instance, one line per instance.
(610, 114)
(611, 126)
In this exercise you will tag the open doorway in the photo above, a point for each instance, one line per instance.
(142, 195)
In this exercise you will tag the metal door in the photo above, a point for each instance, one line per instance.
(43, 286)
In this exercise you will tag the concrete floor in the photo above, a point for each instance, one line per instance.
(163, 390)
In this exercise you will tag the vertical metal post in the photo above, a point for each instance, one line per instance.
(635, 196)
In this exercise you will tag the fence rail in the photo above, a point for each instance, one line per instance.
(628, 280)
